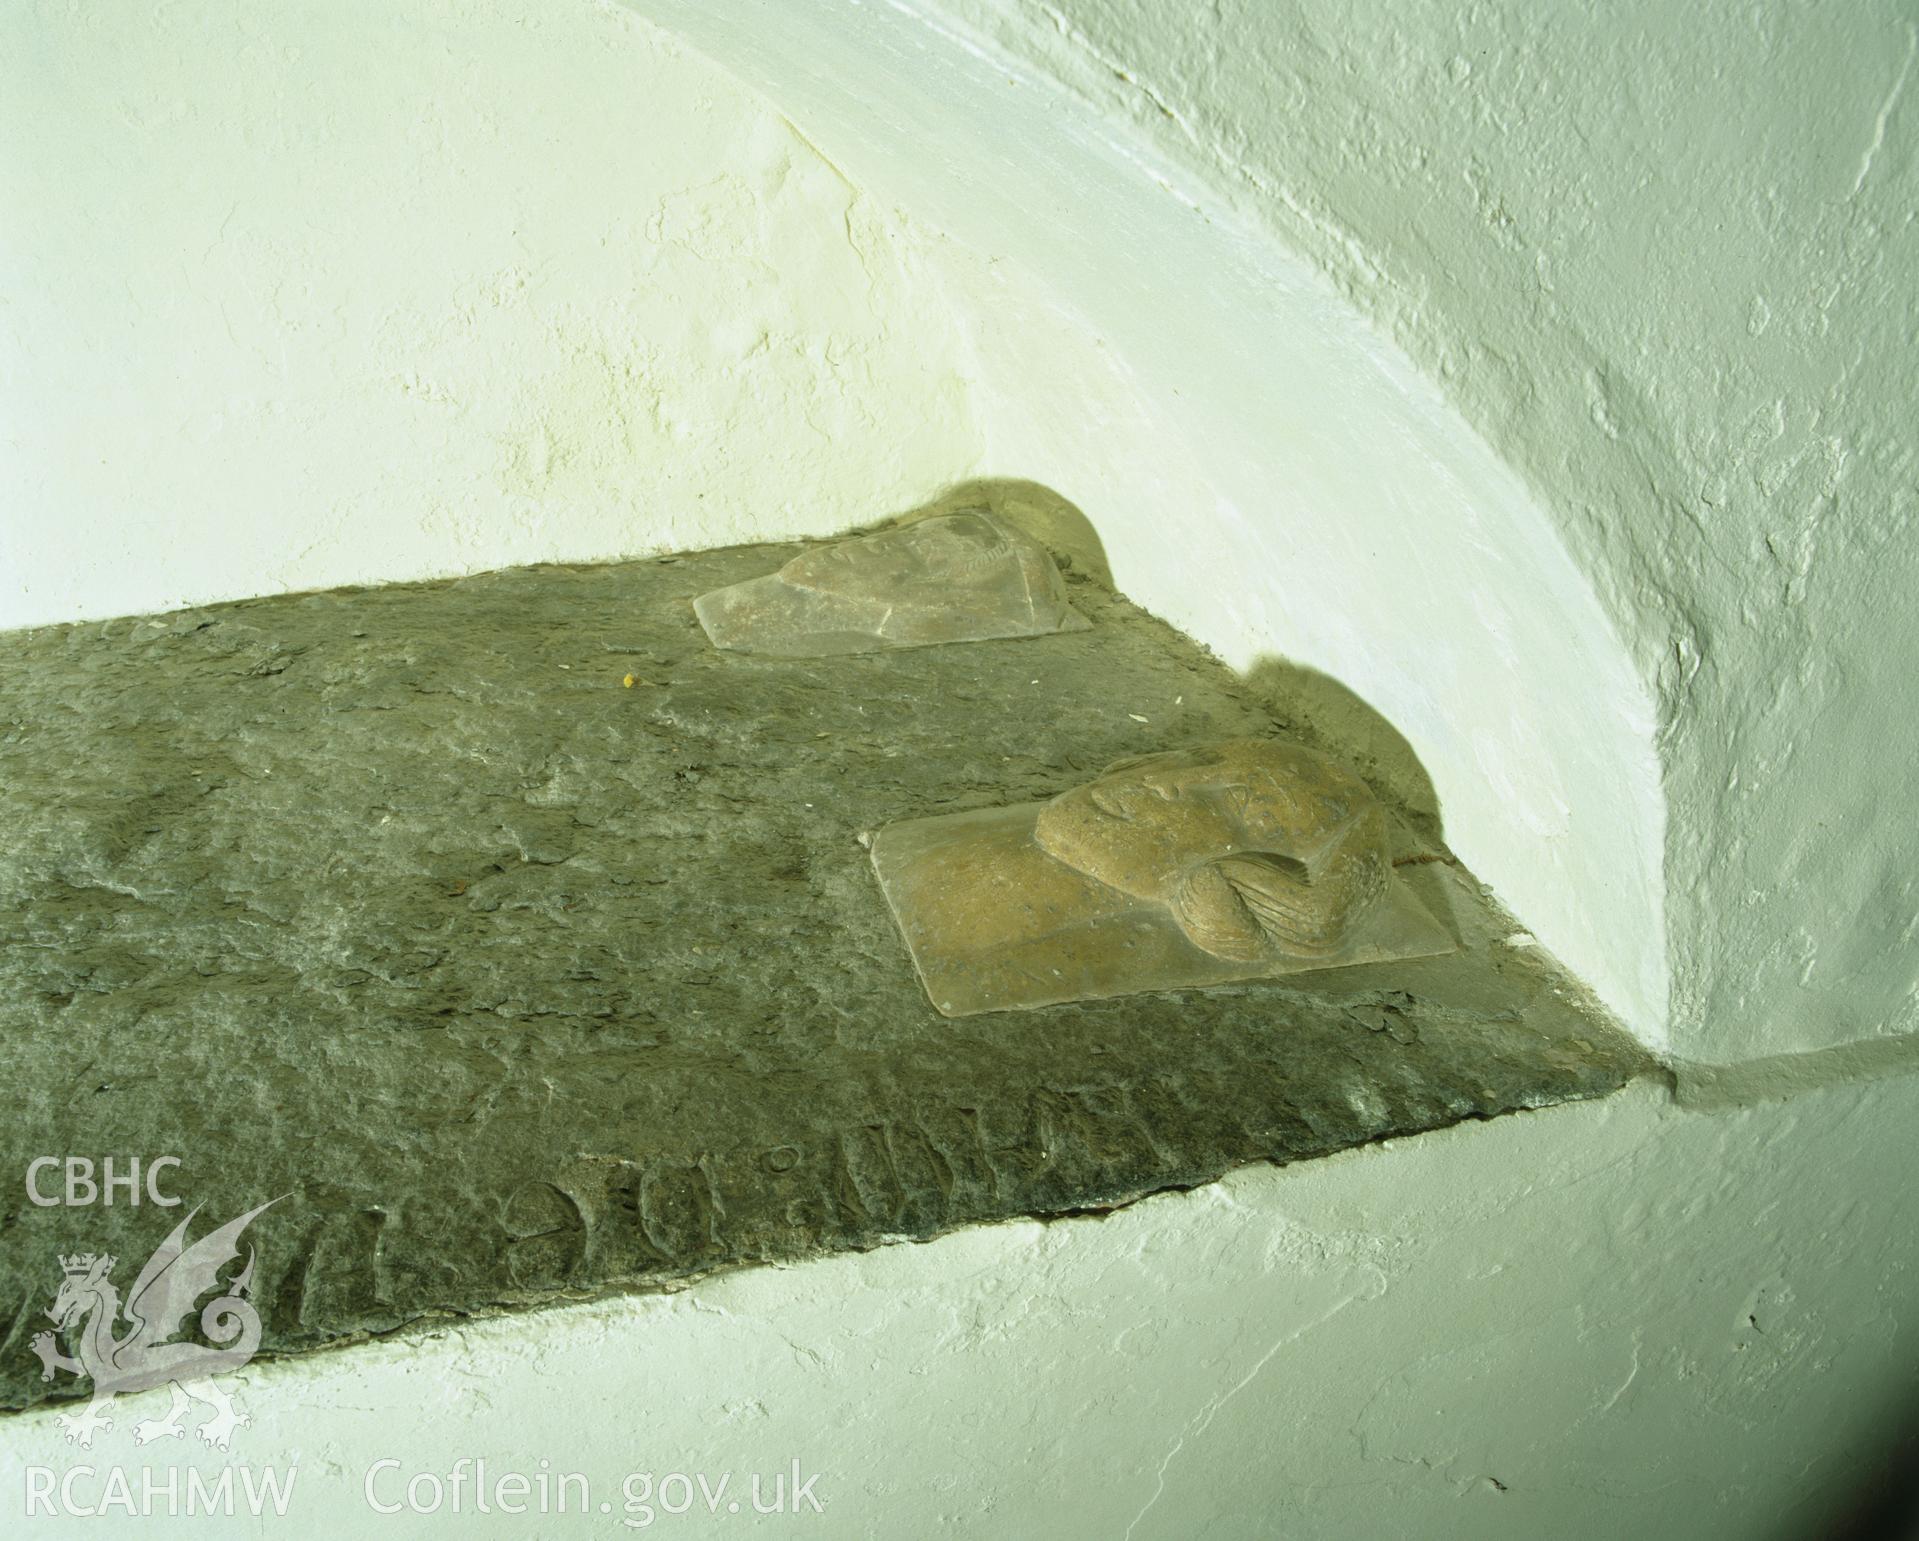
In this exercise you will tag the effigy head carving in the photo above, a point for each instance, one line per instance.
(1236, 860)
(1259, 849)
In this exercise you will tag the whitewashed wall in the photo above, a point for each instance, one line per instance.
(310, 295)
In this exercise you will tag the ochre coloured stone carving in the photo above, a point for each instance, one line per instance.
(1229, 861)
(1255, 847)
(960, 577)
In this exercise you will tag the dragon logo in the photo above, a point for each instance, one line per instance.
(88, 1309)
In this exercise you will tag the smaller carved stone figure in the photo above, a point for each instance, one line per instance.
(960, 577)
(1229, 861)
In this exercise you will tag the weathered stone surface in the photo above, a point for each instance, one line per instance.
(523, 982)
(965, 576)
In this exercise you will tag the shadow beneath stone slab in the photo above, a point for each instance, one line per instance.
(528, 983)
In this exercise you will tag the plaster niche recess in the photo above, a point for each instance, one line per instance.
(547, 933)
(1229, 861)
(954, 577)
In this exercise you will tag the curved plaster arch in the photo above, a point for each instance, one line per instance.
(1266, 471)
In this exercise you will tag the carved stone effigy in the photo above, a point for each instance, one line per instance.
(1236, 860)
(961, 577)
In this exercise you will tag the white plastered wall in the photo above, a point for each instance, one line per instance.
(352, 293)
(1665, 258)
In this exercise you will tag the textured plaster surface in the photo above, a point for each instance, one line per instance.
(530, 945)
(1603, 1321)
(1666, 260)
(337, 293)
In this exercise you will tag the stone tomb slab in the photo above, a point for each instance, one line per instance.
(527, 945)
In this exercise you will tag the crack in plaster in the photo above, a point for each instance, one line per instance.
(1885, 113)
(1203, 1419)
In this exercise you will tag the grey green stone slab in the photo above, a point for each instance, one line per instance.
(524, 983)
